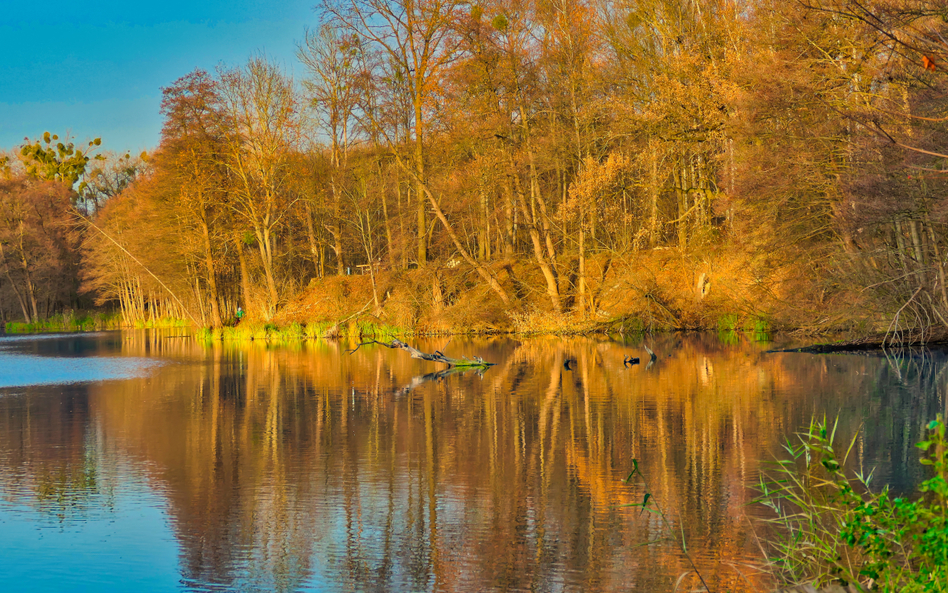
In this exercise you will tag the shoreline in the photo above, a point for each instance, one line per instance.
(823, 342)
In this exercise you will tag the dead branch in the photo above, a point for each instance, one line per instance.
(436, 356)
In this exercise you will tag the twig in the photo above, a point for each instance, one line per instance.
(367, 343)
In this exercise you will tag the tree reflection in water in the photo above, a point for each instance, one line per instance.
(289, 467)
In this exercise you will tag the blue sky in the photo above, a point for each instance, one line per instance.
(96, 68)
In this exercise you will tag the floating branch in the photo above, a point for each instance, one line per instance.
(651, 356)
(437, 356)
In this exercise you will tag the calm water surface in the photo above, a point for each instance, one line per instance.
(146, 461)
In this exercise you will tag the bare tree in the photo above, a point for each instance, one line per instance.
(415, 42)
(334, 68)
(262, 104)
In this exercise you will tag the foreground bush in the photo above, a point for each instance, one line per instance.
(831, 528)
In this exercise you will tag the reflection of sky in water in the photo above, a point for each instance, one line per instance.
(127, 547)
(18, 370)
(244, 467)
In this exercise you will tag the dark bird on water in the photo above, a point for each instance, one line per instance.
(629, 361)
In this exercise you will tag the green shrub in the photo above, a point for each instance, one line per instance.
(759, 328)
(728, 323)
(831, 527)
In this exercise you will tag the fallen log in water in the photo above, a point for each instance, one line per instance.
(437, 356)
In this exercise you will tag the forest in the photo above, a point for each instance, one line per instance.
(529, 165)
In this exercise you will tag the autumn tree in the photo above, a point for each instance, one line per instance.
(261, 104)
(38, 243)
(413, 41)
(191, 160)
(333, 85)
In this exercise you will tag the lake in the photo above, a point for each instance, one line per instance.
(148, 461)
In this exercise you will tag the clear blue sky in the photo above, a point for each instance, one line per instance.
(96, 68)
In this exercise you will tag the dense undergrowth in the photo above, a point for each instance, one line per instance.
(659, 290)
(831, 527)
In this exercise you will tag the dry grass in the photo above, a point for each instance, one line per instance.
(650, 290)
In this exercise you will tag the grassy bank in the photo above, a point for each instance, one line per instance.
(295, 331)
(89, 321)
(68, 322)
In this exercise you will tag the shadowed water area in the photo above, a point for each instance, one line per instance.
(148, 461)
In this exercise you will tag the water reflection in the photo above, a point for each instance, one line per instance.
(301, 467)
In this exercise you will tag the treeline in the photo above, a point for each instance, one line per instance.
(560, 137)
(49, 189)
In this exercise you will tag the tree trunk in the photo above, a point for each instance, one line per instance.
(483, 244)
(401, 219)
(211, 277)
(581, 301)
(16, 291)
(31, 292)
(314, 249)
(511, 234)
(682, 207)
(263, 242)
(244, 274)
(335, 228)
(19, 298)
(552, 287)
(389, 243)
(653, 195)
(919, 254)
(422, 222)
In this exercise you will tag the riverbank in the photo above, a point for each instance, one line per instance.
(85, 321)
(659, 290)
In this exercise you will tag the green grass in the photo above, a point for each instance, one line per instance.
(297, 332)
(831, 527)
(728, 323)
(164, 322)
(68, 322)
(756, 327)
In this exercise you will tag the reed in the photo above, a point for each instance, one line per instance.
(650, 505)
(830, 527)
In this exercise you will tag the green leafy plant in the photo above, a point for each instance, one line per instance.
(829, 526)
